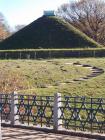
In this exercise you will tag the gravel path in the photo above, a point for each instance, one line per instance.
(24, 134)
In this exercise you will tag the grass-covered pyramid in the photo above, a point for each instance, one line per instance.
(48, 32)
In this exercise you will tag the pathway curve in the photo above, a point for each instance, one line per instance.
(95, 71)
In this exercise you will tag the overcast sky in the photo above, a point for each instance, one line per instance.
(25, 11)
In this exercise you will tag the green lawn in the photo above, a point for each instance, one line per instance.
(48, 77)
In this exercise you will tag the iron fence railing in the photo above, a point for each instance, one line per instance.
(5, 107)
(36, 110)
(76, 113)
(85, 114)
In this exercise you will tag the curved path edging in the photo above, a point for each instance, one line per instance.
(95, 71)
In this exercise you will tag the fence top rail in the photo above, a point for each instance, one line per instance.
(84, 102)
(5, 94)
(34, 95)
(82, 98)
(35, 99)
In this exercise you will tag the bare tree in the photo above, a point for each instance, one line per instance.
(19, 27)
(4, 28)
(86, 15)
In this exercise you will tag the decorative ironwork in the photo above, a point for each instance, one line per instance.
(78, 113)
(5, 106)
(36, 110)
(81, 113)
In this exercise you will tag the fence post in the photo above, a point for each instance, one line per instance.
(0, 102)
(0, 116)
(0, 128)
(14, 101)
(1, 96)
(57, 111)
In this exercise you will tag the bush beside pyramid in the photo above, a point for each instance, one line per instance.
(48, 32)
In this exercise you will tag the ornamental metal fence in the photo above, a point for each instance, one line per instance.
(36, 110)
(56, 112)
(84, 114)
(5, 107)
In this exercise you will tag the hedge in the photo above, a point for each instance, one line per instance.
(45, 54)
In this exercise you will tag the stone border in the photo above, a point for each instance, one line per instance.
(95, 71)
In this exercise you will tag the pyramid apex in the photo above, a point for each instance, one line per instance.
(49, 13)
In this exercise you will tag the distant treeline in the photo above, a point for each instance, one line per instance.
(51, 53)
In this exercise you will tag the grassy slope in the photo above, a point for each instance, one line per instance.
(35, 76)
(48, 32)
(27, 74)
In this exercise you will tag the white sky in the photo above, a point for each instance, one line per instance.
(25, 11)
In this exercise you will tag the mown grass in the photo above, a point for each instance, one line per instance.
(46, 77)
